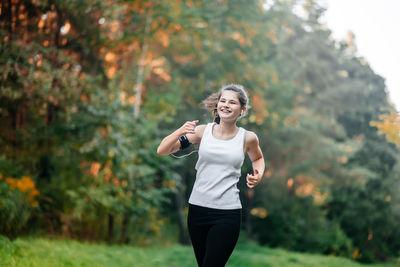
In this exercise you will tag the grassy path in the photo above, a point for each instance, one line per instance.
(49, 252)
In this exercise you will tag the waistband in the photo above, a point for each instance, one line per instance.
(212, 210)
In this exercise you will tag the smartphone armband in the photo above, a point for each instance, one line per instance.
(184, 142)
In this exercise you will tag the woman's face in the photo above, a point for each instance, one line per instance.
(228, 106)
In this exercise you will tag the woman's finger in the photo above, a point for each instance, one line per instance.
(192, 123)
(190, 129)
(250, 181)
(252, 178)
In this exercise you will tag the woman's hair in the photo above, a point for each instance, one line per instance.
(211, 102)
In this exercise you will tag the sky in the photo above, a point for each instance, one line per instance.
(375, 24)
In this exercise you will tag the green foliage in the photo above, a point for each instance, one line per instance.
(70, 129)
(71, 75)
(296, 223)
(115, 176)
(368, 218)
(18, 200)
(15, 210)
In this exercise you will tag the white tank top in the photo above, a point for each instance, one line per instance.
(218, 171)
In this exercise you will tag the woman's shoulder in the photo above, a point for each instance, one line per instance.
(198, 133)
(201, 127)
(250, 137)
(250, 141)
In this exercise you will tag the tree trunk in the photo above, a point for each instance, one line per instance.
(139, 81)
(183, 236)
(10, 15)
(124, 237)
(110, 227)
(249, 225)
(291, 187)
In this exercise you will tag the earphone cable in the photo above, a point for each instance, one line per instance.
(179, 157)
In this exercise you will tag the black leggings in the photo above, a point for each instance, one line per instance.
(214, 234)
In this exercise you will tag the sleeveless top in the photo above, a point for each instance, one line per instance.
(218, 171)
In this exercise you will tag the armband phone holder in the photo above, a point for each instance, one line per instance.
(184, 142)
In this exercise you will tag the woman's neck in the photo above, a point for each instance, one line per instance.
(227, 128)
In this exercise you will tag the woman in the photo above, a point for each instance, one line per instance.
(214, 205)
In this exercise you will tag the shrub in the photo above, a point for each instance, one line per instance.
(297, 224)
(367, 216)
(17, 201)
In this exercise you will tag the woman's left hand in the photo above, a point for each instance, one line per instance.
(253, 180)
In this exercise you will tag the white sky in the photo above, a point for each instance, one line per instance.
(375, 24)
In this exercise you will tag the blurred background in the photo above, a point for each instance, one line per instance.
(89, 88)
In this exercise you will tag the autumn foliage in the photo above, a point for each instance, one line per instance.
(88, 89)
(389, 125)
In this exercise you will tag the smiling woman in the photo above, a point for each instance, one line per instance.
(233, 94)
(214, 216)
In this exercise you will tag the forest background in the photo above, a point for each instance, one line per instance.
(89, 89)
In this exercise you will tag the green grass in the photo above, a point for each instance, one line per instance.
(50, 252)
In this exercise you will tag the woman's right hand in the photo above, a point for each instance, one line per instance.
(188, 127)
(170, 144)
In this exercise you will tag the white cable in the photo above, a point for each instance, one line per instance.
(179, 157)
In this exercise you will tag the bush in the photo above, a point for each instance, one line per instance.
(367, 216)
(17, 201)
(297, 224)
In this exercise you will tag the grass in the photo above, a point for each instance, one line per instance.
(51, 252)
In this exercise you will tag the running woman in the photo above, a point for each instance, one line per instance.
(215, 209)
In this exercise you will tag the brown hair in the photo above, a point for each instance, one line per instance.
(211, 102)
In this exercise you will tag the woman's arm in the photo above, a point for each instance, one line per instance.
(171, 144)
(256, 157)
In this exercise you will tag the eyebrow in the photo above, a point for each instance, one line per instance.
(222, 98)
